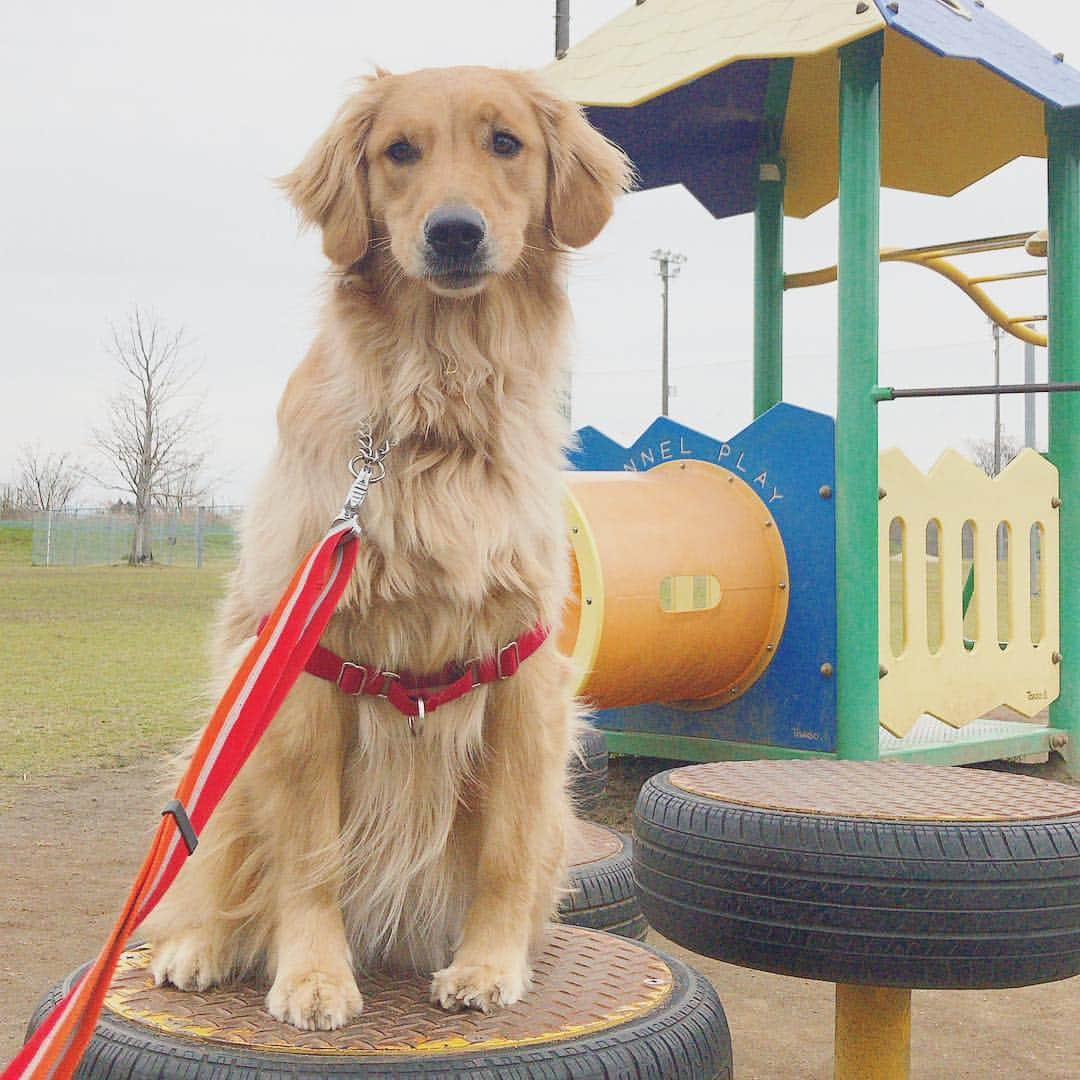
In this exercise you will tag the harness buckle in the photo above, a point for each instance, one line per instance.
(504, 672)
(388, 677)
(364, 673)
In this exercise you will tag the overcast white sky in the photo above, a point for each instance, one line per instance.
(139, 139)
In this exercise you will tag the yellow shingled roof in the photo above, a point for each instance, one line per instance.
(946, 122)
(653, 47)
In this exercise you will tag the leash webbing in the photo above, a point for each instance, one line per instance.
(266, 675)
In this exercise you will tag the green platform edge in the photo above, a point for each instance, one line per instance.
(1015, 740)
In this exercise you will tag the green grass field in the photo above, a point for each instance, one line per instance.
(99, 665)
(103, 665)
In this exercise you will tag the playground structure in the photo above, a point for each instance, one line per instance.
(778, 109)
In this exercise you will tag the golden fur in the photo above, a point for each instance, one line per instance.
(345, 839)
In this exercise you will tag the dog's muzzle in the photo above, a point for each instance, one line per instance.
(454, 237)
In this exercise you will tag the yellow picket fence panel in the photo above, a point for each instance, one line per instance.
(1005, 652)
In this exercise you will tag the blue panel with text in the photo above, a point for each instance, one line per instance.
(786, 456)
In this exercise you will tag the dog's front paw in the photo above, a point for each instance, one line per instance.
(315, 1000)
(189, 961)
(478, 986)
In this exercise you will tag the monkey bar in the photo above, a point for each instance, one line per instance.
(938, 257)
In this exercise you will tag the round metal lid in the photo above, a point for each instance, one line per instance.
(879, 790)
(584, 981)
(591, 843)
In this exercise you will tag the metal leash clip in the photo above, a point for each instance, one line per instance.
(367, 468)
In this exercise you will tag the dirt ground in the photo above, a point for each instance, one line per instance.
(69, 848)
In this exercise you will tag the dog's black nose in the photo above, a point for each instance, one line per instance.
(454, 232)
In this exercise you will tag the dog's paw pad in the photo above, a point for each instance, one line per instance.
(315, 1001)
(477, 986)
(188, 962)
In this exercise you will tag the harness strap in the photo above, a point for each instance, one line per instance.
(417, 695)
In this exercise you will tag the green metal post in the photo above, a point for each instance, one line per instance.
(1063, 176)
(769, 286)
(856, 412)
(769, 247)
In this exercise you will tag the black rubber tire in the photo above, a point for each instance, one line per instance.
(602, 894)
(588, 770)
(686, 1036)
(959, 905)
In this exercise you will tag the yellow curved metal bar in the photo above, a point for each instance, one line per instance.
(993, 311)
(936, 257)
(985, 279)
(825, 276)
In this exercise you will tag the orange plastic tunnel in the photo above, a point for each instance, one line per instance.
(680, 585)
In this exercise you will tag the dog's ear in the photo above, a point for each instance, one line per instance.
(329, 187)
(586, 172)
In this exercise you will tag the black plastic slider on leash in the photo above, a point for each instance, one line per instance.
(187, 831)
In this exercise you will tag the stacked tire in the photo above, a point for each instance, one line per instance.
(600, 1007)
(602, 895)
(588, 770)
(990, 900)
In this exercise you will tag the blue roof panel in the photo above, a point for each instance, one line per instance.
(707, 134)
(980, 35)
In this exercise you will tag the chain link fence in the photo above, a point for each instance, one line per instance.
(95, 535)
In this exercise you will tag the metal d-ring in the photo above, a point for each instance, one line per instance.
(416, 723)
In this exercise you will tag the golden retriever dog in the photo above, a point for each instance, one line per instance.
(448, 201)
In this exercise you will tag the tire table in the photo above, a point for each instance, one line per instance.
(878, 877)
(600, 1006)
(601, 894)
(589, 769)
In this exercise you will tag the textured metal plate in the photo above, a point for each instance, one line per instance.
(584, 981)
(929, 731)
(591, 843)
(878, 790)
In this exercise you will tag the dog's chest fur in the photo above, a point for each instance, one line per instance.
(463, 550)
(464, 546)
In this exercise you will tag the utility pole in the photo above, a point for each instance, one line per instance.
(562, 28)
(670, 264)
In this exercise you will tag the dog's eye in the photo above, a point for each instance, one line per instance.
(504, 144)
(402, 152)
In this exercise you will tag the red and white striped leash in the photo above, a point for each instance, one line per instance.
(267, 673)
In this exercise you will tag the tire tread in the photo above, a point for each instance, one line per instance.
(889, 903)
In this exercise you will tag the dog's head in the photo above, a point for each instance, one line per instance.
(456, 174)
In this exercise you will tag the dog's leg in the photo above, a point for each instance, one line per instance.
(201, 931)
(519, 863)
(198, 934)
(263, 884)
(300, 814)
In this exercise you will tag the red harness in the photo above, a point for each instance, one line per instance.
(418, 695)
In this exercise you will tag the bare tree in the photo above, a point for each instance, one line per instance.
(46, 481)
(185, 486)
(153, 438)
(981, 451)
